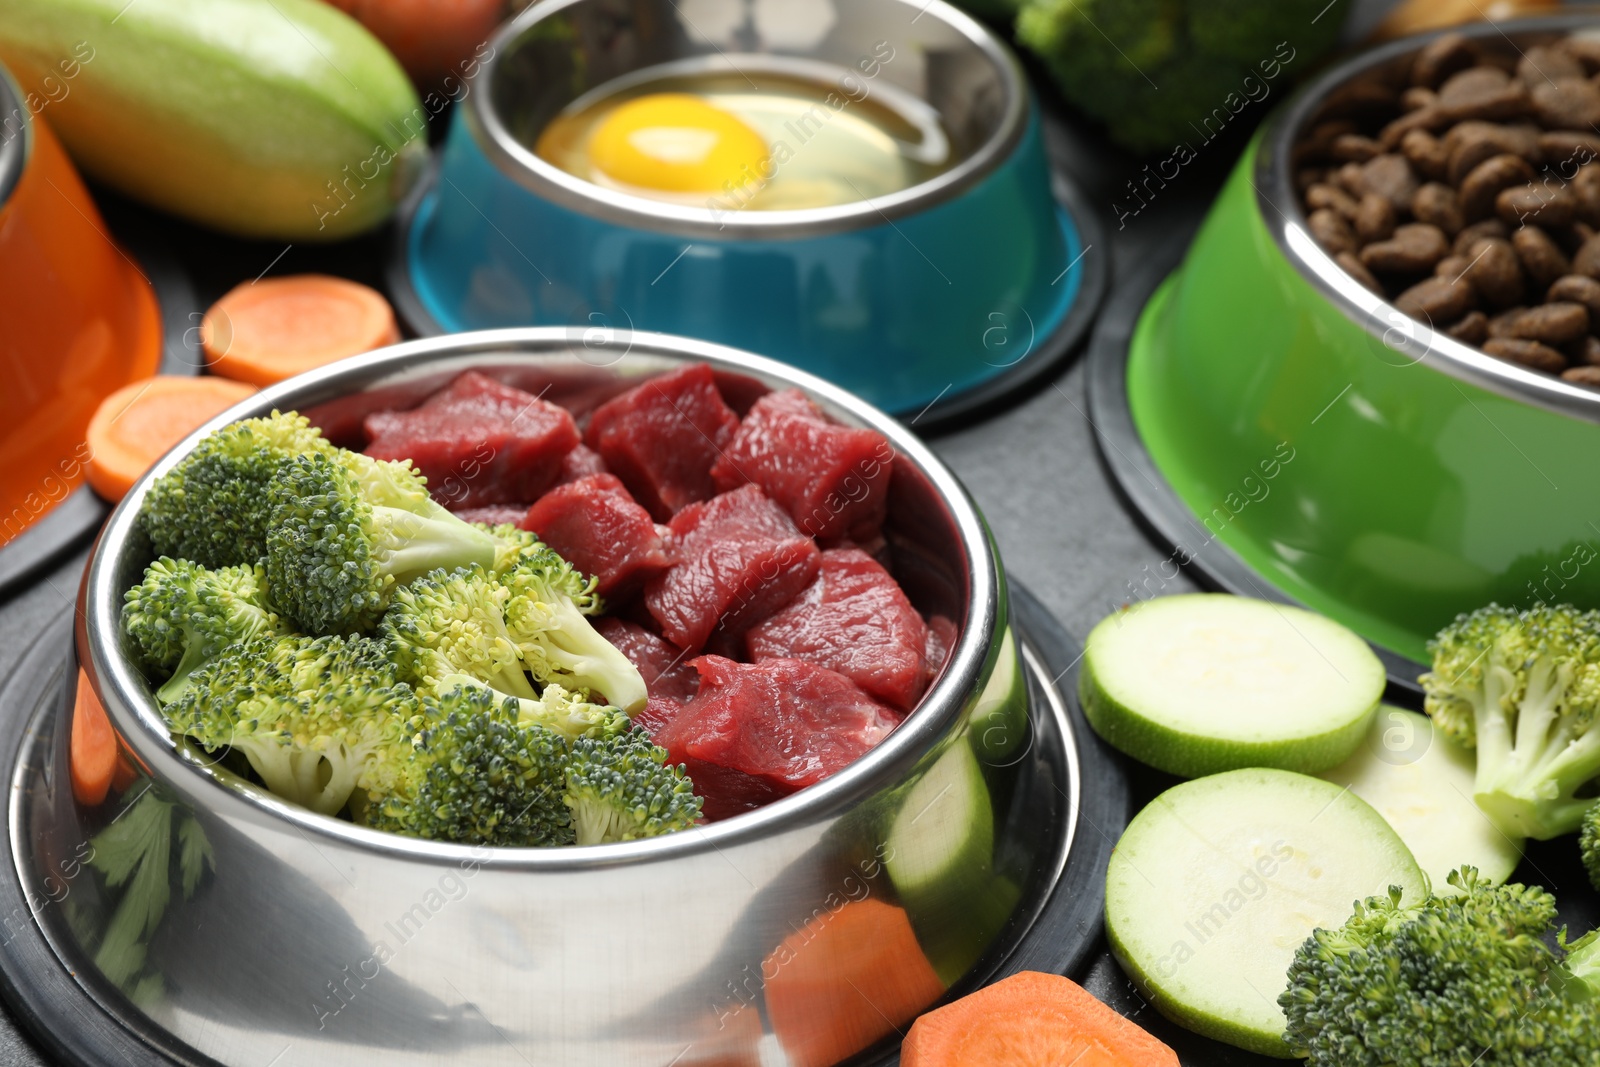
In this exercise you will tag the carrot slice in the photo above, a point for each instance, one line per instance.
(137, 424)
(94, 758)
(1031, 1020)
(263, 332)
(844, 980)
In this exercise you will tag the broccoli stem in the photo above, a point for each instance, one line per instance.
(574, 649)
(1493, 729)
(294, 775)
(1527, 786)
(408, 545)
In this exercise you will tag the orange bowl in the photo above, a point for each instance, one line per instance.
(81, 321)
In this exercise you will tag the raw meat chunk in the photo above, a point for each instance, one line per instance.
(832, 479)
(658, 714)
(662, 437)
(478, 442)
(581, 462)
(756, 732)
(854, 620)
(739, 559)
(665, 669)
(596, 526)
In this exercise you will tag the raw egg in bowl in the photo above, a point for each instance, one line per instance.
(860, 190)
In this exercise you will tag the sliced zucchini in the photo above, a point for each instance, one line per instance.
(1205, 683)
(1421, 782)
(1217, 882)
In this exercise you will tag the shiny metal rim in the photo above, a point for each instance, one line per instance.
(16, 134)
(551, 183)
(1415, 341)
(136, 717)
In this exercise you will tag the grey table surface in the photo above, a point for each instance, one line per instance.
(1032, 465)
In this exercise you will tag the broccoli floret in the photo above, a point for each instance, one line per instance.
(316, 717)
(1523, 689)
(183, 616)
(1589, 844)
(620, 788)
(1463, 979)
(335, 553)
(454, 623)
(212, 508)
(515, 546)
(545, 615)
(480, 776)
(1161, 73)
(566, 713)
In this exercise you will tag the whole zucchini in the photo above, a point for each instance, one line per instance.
(280, 119)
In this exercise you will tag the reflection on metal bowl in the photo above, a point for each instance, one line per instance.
(815, 926)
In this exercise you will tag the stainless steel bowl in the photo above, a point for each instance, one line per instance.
(314, 941)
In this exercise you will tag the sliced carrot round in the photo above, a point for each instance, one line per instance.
(139, 423)
(93, 755)
(263, 332)
(1031, 1020)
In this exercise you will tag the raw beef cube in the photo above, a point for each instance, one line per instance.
(478, 442)
(854, 620)
(942, 636)
(658, 714)
(595, 526)
(662, 437)
(739, 559)
(581, 462)
(665, 669)
(494, 514)
(759, 731)
(833, 480)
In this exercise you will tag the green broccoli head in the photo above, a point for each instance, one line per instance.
(182, 616)
(317, 718)
(1523, 688)
(212, 507)
(545, 615)
(334, 556)
(620, 788)
(1460, 656)
(1163, 72)
(1463, 979)
(481, 777)
(454, 623)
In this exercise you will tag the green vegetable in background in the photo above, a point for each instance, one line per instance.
(278, 119)
(1523, 688)
(1467, 979)
(1168, 73)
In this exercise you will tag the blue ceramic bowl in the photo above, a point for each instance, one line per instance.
(903, 299)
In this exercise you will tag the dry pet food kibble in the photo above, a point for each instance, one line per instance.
(1462, 184)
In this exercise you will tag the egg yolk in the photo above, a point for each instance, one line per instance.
(677, 143)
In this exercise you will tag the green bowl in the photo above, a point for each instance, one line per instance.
(1376, 471)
